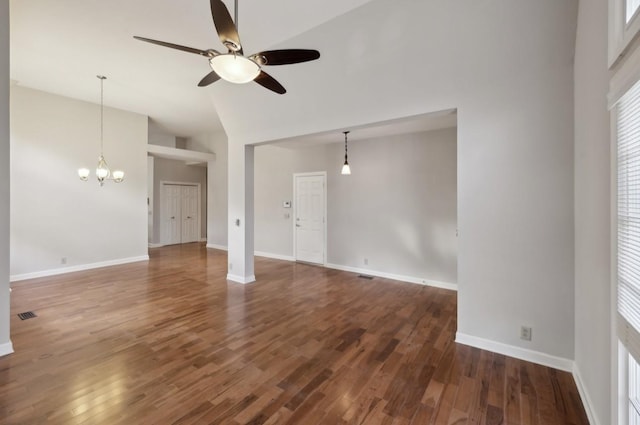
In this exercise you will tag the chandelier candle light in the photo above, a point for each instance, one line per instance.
(102, 170)
(345, 168)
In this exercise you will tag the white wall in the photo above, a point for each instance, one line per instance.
(159, 137)
(508, 68)
(216, 185)
(274, 168)
(592, 209)
(53, 213)
(5, 342)
(176, 171)
(397, 209)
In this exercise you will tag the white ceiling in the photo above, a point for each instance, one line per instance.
(60, 46)
(408, 125)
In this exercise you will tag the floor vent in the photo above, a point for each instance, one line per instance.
(27, 315)
(364, 276)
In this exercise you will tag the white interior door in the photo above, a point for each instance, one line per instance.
(171, 214)
(190, 212)
(180, 213)
(309, 230)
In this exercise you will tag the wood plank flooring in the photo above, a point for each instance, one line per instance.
(172, 342)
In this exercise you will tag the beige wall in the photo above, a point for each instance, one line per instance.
(5, 343)
(592, 209)
(54, 215)
(397, 209)
(507, 67)
(216, 184)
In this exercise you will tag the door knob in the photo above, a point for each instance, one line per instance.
(173, 218)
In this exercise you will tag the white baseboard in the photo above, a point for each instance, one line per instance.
(410, 279)
(584, 395)
(241, 279)
(274, 256)
(6, 348)
(63, 270)
(517, 352)
(216, 246)
(256, 253)
(402, 278)
(160, 245)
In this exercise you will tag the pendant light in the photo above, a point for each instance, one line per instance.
(102, 170)
(345, 168)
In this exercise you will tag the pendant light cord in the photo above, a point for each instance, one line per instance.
(345, 145)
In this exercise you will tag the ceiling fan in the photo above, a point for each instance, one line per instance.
(233, 66)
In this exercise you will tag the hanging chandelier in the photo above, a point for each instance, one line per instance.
(103, 172)
(345, 168)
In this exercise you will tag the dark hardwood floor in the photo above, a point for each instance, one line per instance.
(172, 342)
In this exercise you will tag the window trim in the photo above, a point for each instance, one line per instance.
(624, 78)
(635, 12)
(621, 32)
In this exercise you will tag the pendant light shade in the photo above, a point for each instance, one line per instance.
(103, 172)
(346, 170)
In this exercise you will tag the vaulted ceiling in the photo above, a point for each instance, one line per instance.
(60, 46)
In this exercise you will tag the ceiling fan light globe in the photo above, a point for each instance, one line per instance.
(235, 68)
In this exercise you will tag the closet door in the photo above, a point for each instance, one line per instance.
(171, 214)
(190, 214)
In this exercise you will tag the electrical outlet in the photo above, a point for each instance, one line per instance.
(63, 260)
(525, 333)
(366, 261)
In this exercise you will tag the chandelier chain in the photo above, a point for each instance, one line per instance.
(102, 78)
(103, 172)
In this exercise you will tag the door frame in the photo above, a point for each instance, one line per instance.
(322, 174)
(164, 183)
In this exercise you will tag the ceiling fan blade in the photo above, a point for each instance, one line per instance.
(210, 78)
(267, 81)
(174, 46)
(225, 27)
(285, 56)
